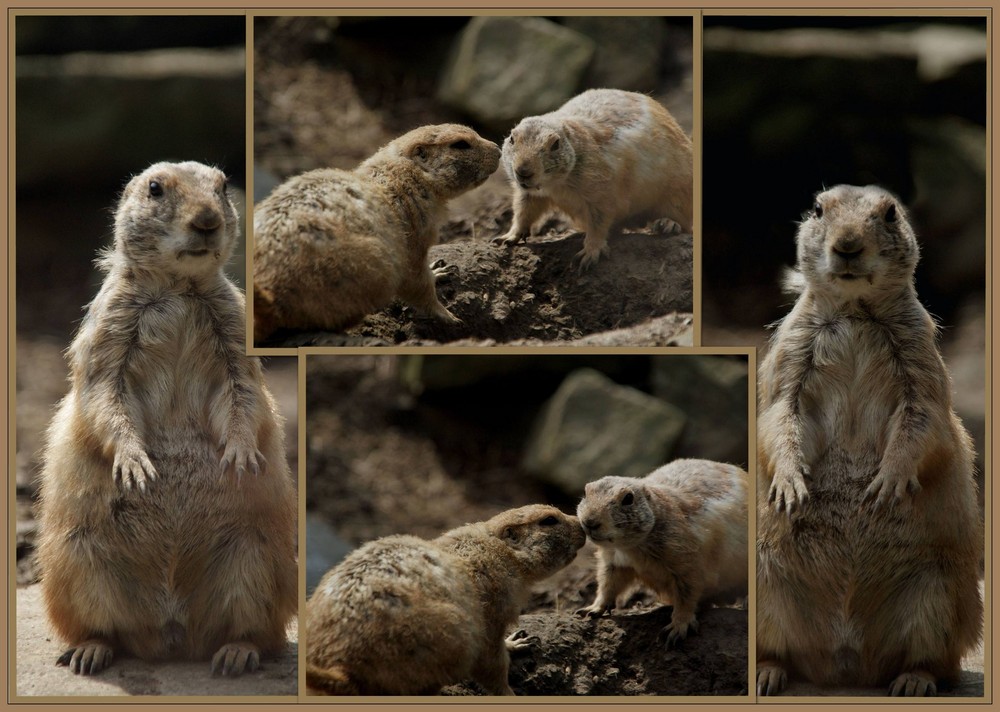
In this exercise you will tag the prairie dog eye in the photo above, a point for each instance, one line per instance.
(155, 189)
(549, 521)
(890, 214)
(818, 209)
(554, 146)
(628, 499)
(461, 145)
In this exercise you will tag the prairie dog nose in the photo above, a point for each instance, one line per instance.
(524, 172)
(207, 220)
(848, 248)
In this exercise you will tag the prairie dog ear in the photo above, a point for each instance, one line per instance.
(417, 152)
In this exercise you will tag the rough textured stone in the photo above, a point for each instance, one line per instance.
(712, 392)
(593, 427)
(505, 68)
(627, 52)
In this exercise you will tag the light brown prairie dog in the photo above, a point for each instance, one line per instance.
(331, 246)
(680, 530)
(605, 157)
(407, 616)
(167, 509)
(869, 536)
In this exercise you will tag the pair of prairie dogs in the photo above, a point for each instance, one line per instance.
(406, 616)
(332, 246)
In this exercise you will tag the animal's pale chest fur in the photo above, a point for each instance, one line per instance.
(174, 368)
(849, 392)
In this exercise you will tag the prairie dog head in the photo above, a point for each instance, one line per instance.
(176, 218)
(544, 539)
(537, 153)
(856, 242)
(616, 511)
(455, 158)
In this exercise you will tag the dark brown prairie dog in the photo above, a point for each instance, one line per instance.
(331, 246)
(167, 509)
(869, 537)
(407, 616)
(680, 530)
(605, 157)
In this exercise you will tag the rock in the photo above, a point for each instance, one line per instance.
(949, 164)
(712, 392)
(675, 329)
(593, 427)
(505, 68)
(325, 550)
(627, 52)
(263, 183)
(88, 102)
(901, 106)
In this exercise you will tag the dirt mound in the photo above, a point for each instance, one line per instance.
(535, 292)
(621, 654)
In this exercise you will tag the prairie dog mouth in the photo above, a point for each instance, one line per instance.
(201, 252)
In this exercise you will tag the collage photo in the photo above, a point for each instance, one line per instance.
(379, 356)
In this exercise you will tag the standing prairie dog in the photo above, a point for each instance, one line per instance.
(167, 508)
(606, 157)
(332, 246)
(869, 537)
(407, 616)
(680, 530)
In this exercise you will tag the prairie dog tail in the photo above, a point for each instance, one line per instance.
(330, 681)
(264, 317)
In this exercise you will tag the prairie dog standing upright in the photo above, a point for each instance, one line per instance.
(869, 536)
(167, 508)
(407, 616)
(681, 530)
(604, 157)
(332, 246)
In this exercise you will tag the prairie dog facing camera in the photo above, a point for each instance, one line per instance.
(869, 535)
(680, 530)
(406, 616)
(331, 246)
(167, 510)
(606, 157)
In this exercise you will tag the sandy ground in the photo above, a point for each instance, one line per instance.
(37, 673)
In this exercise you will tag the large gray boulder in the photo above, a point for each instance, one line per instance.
(593, 427)
(505, 68)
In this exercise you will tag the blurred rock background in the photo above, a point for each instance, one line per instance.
(793, 105)
(421, 443)
(328, 91)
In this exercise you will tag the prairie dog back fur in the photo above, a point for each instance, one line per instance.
(167, 509)
(604, 158)
(331, 246)
(681, 531)
(869, 535)
(407, 616)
